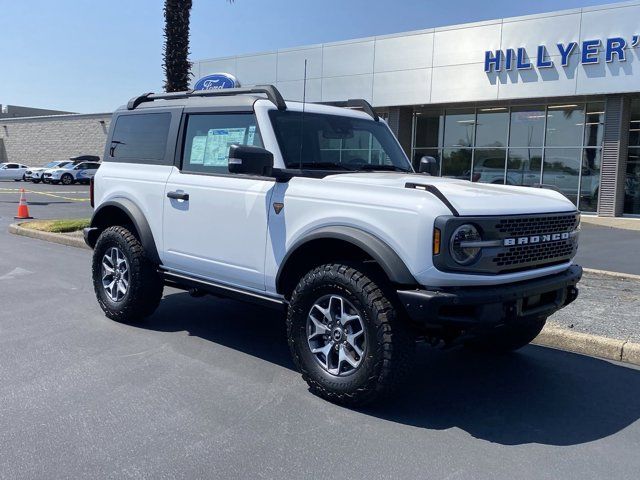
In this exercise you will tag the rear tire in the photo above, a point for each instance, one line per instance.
(507, 338)
(385, 348)
(137, 287)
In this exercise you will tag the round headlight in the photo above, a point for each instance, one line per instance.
(465, 233)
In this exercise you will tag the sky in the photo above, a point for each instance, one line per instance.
(92, 56)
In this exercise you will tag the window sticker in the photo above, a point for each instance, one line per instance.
(218, 142)
(251, 135)
(198, 146)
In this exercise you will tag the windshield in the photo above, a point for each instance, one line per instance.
(334, 142)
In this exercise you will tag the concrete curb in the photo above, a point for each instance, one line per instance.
(61, 238)
(587, 344)
(628, 276)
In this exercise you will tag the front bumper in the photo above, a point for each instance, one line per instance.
(493, 305)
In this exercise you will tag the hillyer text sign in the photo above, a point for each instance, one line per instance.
(590, 52)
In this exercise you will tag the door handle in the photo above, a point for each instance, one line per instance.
(178, 196)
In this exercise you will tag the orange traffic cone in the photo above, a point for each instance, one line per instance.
(23, 208)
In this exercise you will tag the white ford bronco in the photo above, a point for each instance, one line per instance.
(317, 211)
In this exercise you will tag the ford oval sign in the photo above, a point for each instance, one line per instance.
(216, 81)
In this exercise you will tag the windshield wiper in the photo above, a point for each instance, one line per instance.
(389, 168)
(325, 166)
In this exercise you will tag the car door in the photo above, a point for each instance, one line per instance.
(215, 223)
(10, 171)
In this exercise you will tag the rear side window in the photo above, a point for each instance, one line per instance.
(208, 137)
(140, 138)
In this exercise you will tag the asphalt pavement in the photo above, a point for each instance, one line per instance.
(206, 389)
(606, 248)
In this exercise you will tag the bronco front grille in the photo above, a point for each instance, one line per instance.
(542, 254)
(514, 243)
(522, 226)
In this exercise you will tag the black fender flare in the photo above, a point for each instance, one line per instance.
(136, 217)
(390, 262)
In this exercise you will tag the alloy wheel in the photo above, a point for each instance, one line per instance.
(336, 335)
(115, 274)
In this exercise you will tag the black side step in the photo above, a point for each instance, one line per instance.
(184, 282)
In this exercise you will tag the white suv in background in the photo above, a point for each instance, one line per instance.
(35, 174)
(316, 211)
(71, 173)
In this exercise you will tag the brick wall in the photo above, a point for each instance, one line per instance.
(38, 140)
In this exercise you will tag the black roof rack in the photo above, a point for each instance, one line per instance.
(270, 91)
(364, 105)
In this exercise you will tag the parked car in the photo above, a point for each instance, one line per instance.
(13, 171)
(35, 174)
(362, 256)
(70, 173)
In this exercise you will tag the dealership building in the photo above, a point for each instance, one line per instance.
(548, 99)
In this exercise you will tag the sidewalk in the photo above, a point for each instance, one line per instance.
(612, 222)
(607, 306)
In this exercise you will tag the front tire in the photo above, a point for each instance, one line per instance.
(345, 336)
(66, 179)
(507, 338)
(127, 284)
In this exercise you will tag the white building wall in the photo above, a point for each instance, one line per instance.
(446, 65)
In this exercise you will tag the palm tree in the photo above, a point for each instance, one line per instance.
(177, 67)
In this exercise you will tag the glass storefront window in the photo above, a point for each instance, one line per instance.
(498, 144)
(488, 165)
(524, 166)
(418, 153)
(632, 183)
(590, 179)
(562, 170)
(429, 126)
(565, 125)
(459, 128)
(527, 126)
(594, 124)
(456, 163)
(634, 126)
(492, 127)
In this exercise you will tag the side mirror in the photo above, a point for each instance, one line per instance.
(428, 165)
(250, 160)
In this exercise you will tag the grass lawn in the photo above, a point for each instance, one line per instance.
(57, 226)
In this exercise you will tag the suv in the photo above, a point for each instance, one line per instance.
(71, 173)
(316, 210)
(37, 174)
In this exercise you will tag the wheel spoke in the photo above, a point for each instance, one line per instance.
(106, 268)
(344, 319)
(336, 307)
(345, 356)
(319, 327)
(351, 340)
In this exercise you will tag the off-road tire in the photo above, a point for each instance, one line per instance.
(390, 346)
(507, 338)
(145, 284)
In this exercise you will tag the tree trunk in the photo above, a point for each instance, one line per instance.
(176, 66)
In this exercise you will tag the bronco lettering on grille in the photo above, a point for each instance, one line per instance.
(533, 239)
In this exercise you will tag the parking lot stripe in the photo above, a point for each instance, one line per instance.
(48, 194)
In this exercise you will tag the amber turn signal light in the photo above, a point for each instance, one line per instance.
(436, 241)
